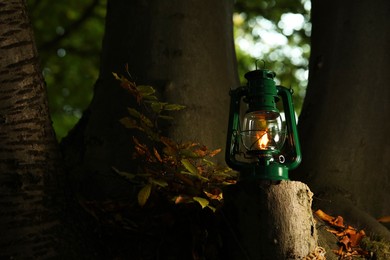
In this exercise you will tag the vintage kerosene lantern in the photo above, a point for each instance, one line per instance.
(261, 145)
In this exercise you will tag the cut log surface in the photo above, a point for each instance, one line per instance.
(268, 220)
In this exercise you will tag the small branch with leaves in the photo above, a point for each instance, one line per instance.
(182, 171)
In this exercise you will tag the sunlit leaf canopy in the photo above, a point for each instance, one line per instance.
(276, 34)
(69, 36)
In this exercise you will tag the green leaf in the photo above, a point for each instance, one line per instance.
(129, 123)
(146, 121)
(189, 166)
(200, 177)
(149, 99)
(188, 173)
(157, 106)
(127, 175)
(146, 90)
(212, 208)
(172, 107)
(208, 162)
(202, 201)
(158, 182)
(188, 153)
(166, 117)
(133, 112)
(143, 194)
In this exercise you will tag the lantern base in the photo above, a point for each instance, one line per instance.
(274, 172)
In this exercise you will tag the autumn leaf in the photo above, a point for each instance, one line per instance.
(356, 237)
(143, 194)
(216, 195)
(141, 149)
(169, 166)
(349, 238)
(345, 242)
(157, 155)
(338, 221)
(181, 199)
(213, 153)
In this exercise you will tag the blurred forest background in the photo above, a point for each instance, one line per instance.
(69, 37)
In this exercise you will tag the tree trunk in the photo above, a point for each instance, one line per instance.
(345, 123)
(187, 53)
(28, 150)
(269, 221)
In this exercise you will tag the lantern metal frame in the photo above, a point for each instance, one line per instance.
(262, 94)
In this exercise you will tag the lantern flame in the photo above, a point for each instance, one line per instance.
(263, 141)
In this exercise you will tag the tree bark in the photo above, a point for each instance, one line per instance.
(28, 149)
(344, 123)
(268, 221)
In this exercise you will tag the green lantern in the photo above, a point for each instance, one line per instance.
(262, 145)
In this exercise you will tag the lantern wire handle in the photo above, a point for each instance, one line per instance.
(263, 64)
(291, 90)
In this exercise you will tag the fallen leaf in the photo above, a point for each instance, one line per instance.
(322, 215)
(357, 237)
(348, 237)
(345, 242)
(338, 221)
(385, 219)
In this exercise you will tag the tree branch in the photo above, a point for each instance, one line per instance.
(68, 30)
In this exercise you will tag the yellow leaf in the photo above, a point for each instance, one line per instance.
(202, 201)
(189, 166)
(143, 194)
(116, 76)
(146, 90)
(127, 175)
(172, 107)
(212, 208)
(162, 183)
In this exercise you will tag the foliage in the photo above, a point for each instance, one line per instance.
(181, 171)
(349, 238)
(69, 37)
(276, 32)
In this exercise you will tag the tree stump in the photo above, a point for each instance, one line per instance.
(268, 220)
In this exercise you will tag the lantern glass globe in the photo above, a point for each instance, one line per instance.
(263, 131)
